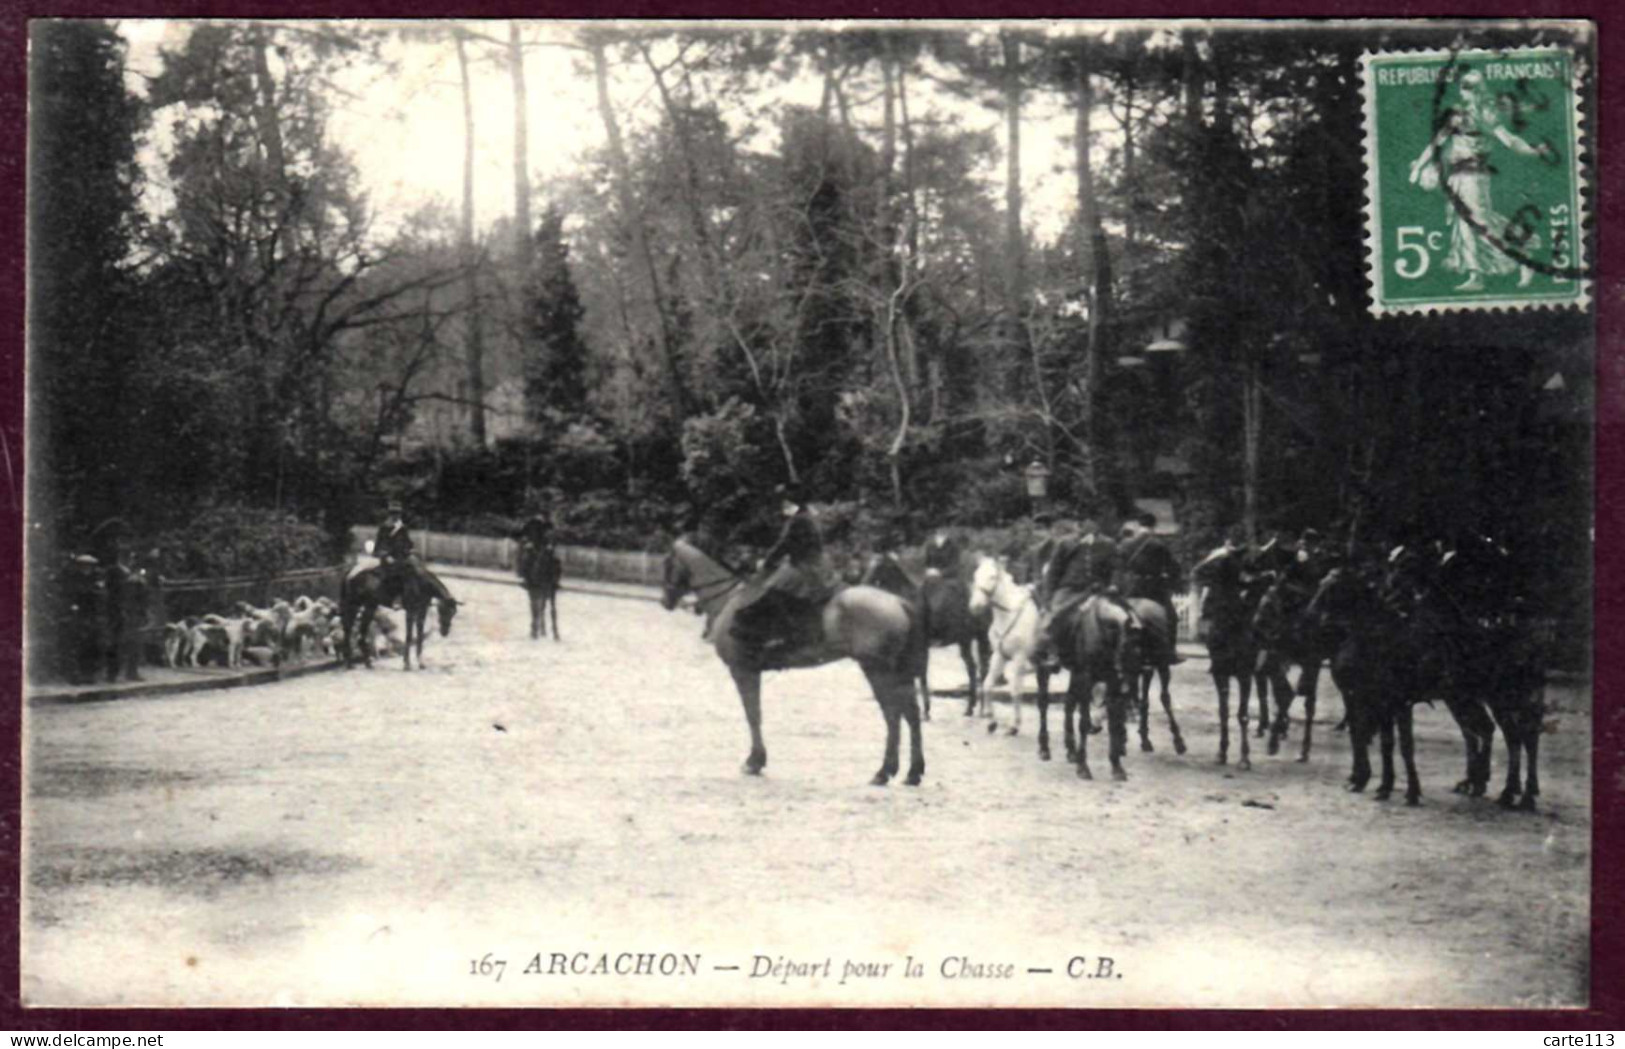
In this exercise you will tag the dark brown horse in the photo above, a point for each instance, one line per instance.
(1231, 646)
(863, 623)
(1157, 640)
(540, 570)
(1098, 643)
(359, 598)
(944, 604)
(1286, 637)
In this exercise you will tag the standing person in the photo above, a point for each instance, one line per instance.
(393, 548)
(86, 594)
(108, 542)
(774, 613)
(135, 616)
(1151, 572)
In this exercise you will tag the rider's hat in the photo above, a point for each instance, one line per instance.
(1309, 535)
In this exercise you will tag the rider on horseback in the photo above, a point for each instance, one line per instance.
(1084, 565)
(1151, 572)
(393, 548)
(779, 613)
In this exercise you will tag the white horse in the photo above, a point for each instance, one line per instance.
(1013, 633)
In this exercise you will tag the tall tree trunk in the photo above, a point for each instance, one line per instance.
(523, 233)
(1015, 290)
(1088, 271)
(476, 335)
(632, 215)
(716, 285)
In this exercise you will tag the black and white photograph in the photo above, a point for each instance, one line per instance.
(602, 514)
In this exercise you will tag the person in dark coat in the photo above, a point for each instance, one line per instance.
(776, 612)
(1150, 571)
(536, 531)
(943, 554)
(86, 592)
(1084, 565)
(1035, 562)
(393, 548)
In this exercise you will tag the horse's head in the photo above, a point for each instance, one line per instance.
(447, 607)
(983, 582)
(674, 580)
(1332, 597)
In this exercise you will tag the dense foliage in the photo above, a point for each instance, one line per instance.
(737, 289)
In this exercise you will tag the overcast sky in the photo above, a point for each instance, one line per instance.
(406, 131)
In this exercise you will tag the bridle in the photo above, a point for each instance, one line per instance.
(987, 595)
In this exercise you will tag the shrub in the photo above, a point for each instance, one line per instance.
(239, 540)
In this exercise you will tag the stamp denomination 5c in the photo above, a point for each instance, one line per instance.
(1473, 179)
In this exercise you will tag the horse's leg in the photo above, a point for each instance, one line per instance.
(994, 669)
(1141, 693)
(1078, 691)
(367, 612)
(1281, 685)
(346, 622)
(967, 656)
(1531, 743)
(1017, 677)
(553, 610)
(1243, 686)
(1222, 684)
(1163, 673)
(1261, 683)
(749, 684)
(1309, 685)
(1385, 788)
(1407, 750)
(1117, 722)
(1512, 733)
(1359, 738)
(916, 745)
(1043, 714)
(1471, 720)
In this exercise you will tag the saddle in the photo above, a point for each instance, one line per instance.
(780, 630)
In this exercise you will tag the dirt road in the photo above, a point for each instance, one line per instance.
(373, 836)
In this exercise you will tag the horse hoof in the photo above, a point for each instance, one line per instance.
(1179, 745)
(1244, 765)
(1356, 787)
(913, 779)
(970, 712)
(1464, 787)
(880, 780)
(1383, 794)
(1303, 759)
(1146, 747)
(1412, 800)
(751, 768)
(1084, 773)
(1043, 753)
(1275, 746)
(1119, 775)
(1012, 730)
(1527, 804)
(1507, 800)
(1222, 759)
(1095, 729)
(992, 727)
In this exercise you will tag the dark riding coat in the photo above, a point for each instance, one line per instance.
(1080, 567)
(394, 544)
(1149, 569)
(944, 556)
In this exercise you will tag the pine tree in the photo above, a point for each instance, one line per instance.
(555, 371)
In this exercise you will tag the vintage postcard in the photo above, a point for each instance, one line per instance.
(979, 514)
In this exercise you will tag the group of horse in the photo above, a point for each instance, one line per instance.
(1390, 642)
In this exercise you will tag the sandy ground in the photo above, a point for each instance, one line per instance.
(372, 836)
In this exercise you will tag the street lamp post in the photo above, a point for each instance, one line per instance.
(1037, 477)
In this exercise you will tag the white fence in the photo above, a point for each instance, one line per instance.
(580, 562)
(621, 566)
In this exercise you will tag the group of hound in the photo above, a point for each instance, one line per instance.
(272, 635)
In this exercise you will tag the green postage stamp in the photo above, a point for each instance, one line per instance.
(1473, 180)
